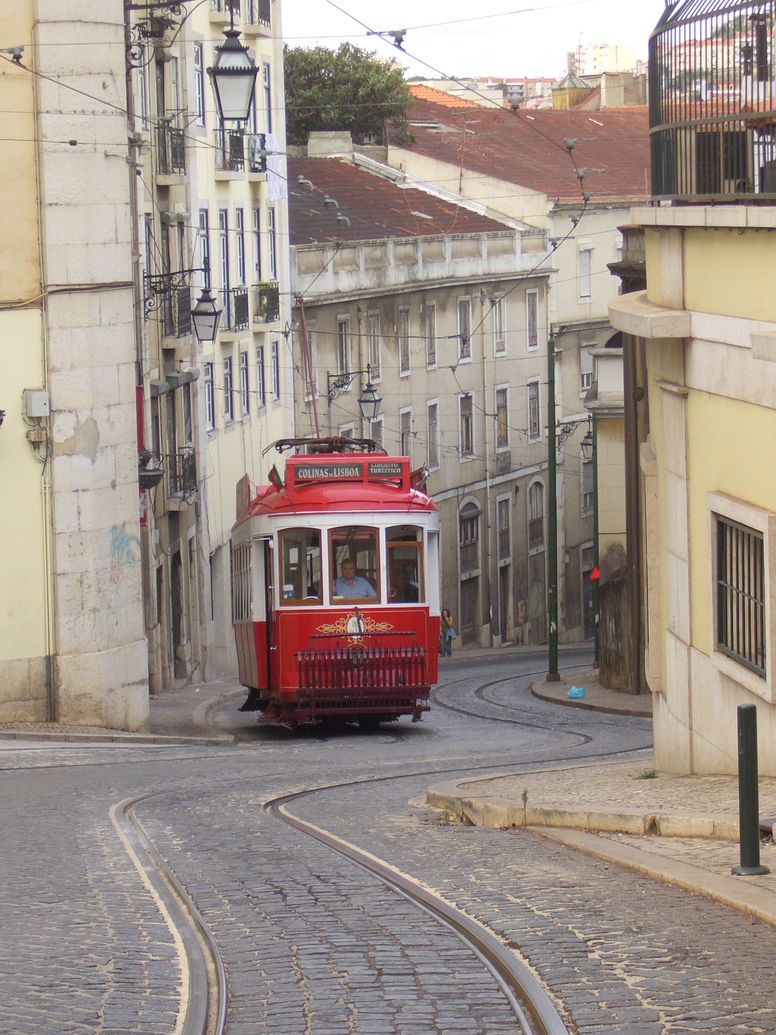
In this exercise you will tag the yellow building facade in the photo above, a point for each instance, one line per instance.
(708, 318)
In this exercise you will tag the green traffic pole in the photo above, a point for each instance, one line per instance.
(596, 556)
(552, 522)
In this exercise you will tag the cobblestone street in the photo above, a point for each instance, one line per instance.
(311, 942)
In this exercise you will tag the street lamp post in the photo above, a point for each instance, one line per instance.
(552, 521)
(590, 452)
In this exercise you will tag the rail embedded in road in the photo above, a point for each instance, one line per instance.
(534, 1010)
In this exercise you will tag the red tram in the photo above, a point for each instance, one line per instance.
(335, 587)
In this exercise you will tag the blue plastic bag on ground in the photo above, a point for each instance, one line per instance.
(576, 693)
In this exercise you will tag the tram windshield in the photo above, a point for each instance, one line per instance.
(300, 558)
(406, 584)
(353, 563)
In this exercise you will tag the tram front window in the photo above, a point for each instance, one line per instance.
(405, 564)
(300, 557)
(354, 564)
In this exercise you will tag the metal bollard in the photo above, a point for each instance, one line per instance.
(748, 795)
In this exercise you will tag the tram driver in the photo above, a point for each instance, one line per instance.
(351, 585)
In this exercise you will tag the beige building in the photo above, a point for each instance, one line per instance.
(211, 213)
(573, 174)
(443, 310)
(123, 435)
(72, 645)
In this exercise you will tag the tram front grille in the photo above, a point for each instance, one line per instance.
(358, 667)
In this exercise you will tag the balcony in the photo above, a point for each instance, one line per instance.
(182, 472)
(266, 302)
(235, 309)
(238, 152)
(175, 311)
(258, 12)
(712, 100)
(170, 150)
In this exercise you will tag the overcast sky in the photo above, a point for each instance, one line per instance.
(501, 38)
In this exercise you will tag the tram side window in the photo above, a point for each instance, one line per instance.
(354, 566)
(405, 564)
(300, 574)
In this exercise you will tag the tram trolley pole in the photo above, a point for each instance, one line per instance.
(748, 795)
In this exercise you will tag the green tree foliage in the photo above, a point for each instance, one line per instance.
(348, 88)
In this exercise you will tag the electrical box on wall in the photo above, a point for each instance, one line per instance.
(36, 402)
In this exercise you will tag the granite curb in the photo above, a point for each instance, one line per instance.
(502, 813)
(694, 849)
(175, 719)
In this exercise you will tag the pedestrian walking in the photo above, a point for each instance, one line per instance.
(447, 634)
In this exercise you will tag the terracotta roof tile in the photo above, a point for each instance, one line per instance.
(446, 100)
(373, 207)
(527, 148)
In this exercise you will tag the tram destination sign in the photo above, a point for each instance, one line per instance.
(380, 469)
(329, 472)
(347, 472)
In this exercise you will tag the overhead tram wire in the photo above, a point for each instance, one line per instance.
(566, 149)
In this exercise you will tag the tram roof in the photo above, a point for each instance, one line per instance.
(340, 482)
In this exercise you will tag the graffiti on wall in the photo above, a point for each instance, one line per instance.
(124, 550)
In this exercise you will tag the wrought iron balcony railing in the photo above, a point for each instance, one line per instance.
(176, 312)
(258, 12)
(266, 302)
(182, 471)
(713, 101)
(235, 315)
(170, 150)
(238, 151)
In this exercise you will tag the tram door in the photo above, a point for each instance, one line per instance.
(269, 610)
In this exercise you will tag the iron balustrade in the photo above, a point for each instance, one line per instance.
(170, 149)
(712, 99)
(266, 302)
(235, 316)
(182, 470)
(258, 12)
(239, 151)
(176, 312)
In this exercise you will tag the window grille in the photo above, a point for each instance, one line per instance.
(741, 594)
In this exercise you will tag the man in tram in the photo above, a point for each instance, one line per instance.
(351, 585)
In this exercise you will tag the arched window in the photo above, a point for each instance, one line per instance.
(536, 516)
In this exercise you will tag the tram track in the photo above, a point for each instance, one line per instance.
(204, 1001)
(534, 1011)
